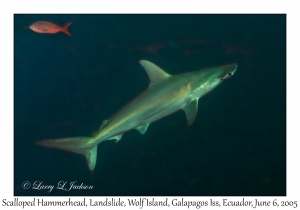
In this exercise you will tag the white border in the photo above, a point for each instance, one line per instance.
(8, 8)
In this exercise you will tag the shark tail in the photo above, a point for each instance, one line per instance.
(78, 145)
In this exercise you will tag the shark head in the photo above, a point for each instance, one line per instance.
(227, 71)
(207, 79)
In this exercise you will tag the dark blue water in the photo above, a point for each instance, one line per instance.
(66, 86)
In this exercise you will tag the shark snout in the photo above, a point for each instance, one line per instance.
(231, 68)
(228, 70)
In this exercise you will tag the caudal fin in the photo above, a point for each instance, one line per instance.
(77, 145)
(65, 29)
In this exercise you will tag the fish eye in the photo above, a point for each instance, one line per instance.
(229, 74)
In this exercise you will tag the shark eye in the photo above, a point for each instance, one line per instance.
(229, 74)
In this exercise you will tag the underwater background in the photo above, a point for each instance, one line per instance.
(65, 86)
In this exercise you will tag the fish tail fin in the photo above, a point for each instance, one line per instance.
(65, 29)
(80, 145)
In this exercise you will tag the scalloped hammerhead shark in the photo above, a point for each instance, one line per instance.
(165, 95)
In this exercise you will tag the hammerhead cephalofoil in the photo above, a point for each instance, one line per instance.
(165, 95)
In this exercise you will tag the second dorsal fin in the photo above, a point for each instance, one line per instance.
(103, 123)
(154, 72)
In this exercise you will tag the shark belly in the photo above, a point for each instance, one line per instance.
(148, 107)
(172, 108)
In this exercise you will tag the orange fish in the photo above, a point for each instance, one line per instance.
(49, 28)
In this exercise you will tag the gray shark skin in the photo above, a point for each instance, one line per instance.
(165, 95)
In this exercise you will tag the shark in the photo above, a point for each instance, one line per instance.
(165, 95)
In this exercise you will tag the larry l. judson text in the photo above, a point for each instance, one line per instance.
(140, 203)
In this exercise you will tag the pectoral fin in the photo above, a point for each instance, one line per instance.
(143, 128)
(191, 111)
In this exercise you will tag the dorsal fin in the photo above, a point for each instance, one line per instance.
(154, 72)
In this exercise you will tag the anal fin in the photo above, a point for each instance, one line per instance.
(142, 129)
(191, 111)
